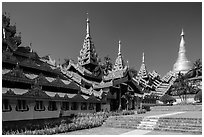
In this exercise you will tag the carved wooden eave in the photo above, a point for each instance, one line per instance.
(116, 74)
(42, 80)
(9, 93)
(8, 57)
(36, 92)
(48, 60)
(79, 98)
(16, 75)
(29, 63)
(83, 71)
(57, 83)
(93, 99)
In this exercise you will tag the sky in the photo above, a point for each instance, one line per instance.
(59, 28)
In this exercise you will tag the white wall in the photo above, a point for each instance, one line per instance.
(32, 114)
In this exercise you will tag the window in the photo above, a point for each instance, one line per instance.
(65, 106)
(6, 107)
(91, 106)
(39, 106)
(74, 106)
(52, 106)
(22, 106)
(83, 106)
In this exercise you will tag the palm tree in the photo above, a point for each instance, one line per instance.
(197, 66)
(196, 70)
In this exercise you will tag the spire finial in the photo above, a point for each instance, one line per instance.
(87, 16)
(87, 25)
(143, 57)
(182, 32)
(119, 47)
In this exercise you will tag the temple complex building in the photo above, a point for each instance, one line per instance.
(35, 87)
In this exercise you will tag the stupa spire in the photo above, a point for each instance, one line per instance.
(182, 64)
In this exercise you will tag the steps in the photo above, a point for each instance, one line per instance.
(193, 125)
(123, 122)
(177, 108)
(148, 123)
(160, 122)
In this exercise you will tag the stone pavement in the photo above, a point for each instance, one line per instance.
(142, 132)
(137, 132)
(125, 131)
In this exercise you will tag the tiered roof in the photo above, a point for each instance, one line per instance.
(143, 71)
(153, 82)
(88, 57)
(119, 69)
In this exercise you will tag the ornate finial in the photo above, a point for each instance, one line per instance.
(119, 47)
(182, 33)
(87, 26)
(87, 16)
(30, 46)
(143, 57)
(127, 64)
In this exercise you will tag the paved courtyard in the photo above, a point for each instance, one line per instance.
(125, 131)
(121, 131)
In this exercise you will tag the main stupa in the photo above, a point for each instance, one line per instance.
(182, 65)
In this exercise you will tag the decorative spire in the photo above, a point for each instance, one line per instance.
(182, 64)
(87, 26)
(88, 56)
(182, 33)
(119, 64)
(127, 64)
(143, 71)
(182, 43)
(143, 58)
(30, 46)
(119, 48)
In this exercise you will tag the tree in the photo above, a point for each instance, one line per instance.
(196, 70)
(181, 87)
(132, 72)
(198, 96)
(197, 66)
(66, 62)
(106, 65)
(167, 99)
(128, 97)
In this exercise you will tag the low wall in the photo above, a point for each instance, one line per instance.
(14, 115)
